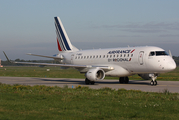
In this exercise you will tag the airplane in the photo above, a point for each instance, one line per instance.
(146, 61)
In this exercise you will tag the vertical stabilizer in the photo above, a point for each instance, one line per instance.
(63, 41)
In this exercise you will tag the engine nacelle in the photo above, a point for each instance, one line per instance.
(95, 74)
(145, 76)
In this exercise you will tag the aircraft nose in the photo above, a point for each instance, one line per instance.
(171, 65)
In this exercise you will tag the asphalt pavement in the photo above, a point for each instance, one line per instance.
(143, 85)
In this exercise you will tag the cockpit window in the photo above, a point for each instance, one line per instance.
(161, 53)
(158, 53)
(152, 54)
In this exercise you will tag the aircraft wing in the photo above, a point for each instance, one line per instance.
(105, 68)
(59, 58)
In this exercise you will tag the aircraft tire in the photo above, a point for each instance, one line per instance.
(87, 82)
(121, 80)
(126, 80)
(92, 82)
(152, 83)
(155, 82)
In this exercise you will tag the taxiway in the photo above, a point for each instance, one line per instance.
(171, 86)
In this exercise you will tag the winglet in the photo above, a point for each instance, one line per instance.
(7, 57)
(170, 53)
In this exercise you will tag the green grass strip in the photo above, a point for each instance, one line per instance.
(54, 103)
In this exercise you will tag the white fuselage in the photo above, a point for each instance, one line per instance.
(125, 61)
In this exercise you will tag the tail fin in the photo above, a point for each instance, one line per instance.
(63, 41)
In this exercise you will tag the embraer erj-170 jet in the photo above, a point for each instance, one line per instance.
(147, 61)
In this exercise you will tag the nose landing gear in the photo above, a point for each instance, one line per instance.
(153, 77)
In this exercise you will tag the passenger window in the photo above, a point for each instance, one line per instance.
(110, 55)
(100, 56)
(107, 56)
(121, 55)
(94, 56)
(104, 56)
(84, 57)
(81, 57)
(90, 56)
(128, 55)
(117, 55)
(124, 55)
(114, 56)
(131, 55)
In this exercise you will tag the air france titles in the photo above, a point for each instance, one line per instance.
(119, 59)
(119, 51)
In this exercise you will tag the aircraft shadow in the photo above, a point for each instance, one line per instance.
(71, 81)
(137, 82)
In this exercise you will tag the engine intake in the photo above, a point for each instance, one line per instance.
(95, 74)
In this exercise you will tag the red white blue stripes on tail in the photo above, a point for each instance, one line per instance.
(63, 41)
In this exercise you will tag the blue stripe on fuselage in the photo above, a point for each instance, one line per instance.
(62, 34)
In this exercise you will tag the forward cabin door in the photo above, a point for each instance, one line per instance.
(141, 57)
(72, 58)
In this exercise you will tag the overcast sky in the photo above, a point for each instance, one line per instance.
(27, 26)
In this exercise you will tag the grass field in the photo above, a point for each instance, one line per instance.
(56, 72)
(43, 102)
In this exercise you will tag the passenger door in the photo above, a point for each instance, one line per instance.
(72, 57)
(141, 57)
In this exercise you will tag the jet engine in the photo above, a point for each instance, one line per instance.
(95, 74)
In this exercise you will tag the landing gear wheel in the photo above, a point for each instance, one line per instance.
(87, 81)
(124, 80)
(121, 80)
(155, 82)
(152, 83)
(92, 82)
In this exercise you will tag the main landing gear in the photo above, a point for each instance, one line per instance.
(124, 80)
(87, 82)
(153, 77)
